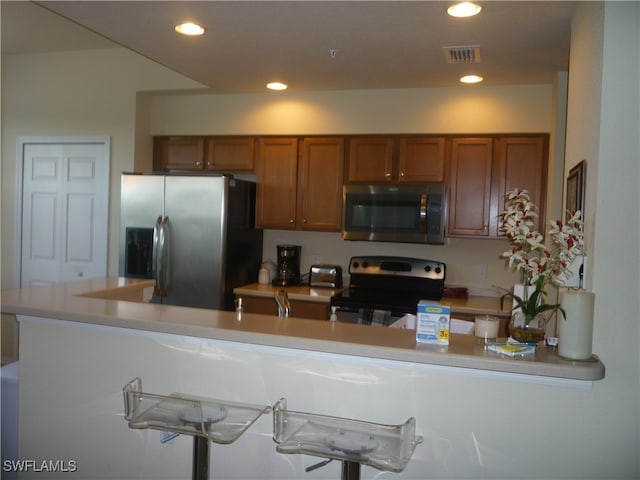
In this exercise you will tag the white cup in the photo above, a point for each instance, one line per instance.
(263, 276)
(486, 328)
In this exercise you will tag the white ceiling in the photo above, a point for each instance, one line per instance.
(379, 44)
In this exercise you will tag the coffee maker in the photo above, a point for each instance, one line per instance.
(288, 271)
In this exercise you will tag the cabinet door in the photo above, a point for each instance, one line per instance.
(230, 154)
(371, 159)
(522, 163)
(178, 153)
(299, 308)
(320, 179)
(470, 189)
(276, 189)
(421, 159)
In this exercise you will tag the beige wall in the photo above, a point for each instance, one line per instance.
(602, 128)
(466, 110)
(111, 92)
(74, 94)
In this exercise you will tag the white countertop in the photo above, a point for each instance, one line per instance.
(96, 302)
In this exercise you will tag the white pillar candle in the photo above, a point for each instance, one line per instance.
(575, 332)
(486, 327)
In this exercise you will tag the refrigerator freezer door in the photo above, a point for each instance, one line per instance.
(142, 202)
(194, 259)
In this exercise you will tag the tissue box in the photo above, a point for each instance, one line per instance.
(433, 323)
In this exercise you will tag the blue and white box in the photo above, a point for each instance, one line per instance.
(433, 323)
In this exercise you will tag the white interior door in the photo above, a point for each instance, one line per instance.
(65, 204)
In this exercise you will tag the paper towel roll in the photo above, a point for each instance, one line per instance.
(575, 332)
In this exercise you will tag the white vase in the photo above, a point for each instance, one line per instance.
(575, 332)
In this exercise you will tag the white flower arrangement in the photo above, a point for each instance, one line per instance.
(528, 254)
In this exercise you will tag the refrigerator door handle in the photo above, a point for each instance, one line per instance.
(156, 255)
(163, 260)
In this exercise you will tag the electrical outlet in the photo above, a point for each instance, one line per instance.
(482, 271)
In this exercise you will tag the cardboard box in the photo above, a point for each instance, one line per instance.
(433, 323)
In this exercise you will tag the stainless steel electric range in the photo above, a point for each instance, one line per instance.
(383, 288)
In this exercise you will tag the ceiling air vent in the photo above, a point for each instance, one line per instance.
(464, 54)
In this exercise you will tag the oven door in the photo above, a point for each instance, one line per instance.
(374, 309)
(387, 213)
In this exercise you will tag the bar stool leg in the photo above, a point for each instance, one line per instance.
(350, 470)
(200, 458)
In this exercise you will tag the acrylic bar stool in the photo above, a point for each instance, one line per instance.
(354, 442)
(207, 420)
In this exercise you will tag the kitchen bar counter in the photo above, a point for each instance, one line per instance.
(96, 302)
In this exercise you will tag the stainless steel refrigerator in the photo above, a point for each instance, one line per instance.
(194, 235)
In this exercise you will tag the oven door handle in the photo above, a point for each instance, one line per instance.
(423, 213)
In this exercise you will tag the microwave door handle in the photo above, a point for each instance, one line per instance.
(156, 255)
(423, 213)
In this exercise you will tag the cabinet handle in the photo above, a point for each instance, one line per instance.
(304, 221)
(402, 174)
(198, 164)
(291, 221)
(485, 227)
(387, 174)
(209, 164)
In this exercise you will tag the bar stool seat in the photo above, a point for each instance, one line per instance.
(207, 420)
(354, 442)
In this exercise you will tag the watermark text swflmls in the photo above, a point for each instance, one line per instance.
(59, 466)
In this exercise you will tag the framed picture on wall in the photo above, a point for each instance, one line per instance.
(575, 188)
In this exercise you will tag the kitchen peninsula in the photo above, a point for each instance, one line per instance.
(119, 302)
(80, 344)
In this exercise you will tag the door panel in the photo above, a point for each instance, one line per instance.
(85, 214)
(79, 231)
(41, 222)
(65, 198)
(320, 182)
(470, 190)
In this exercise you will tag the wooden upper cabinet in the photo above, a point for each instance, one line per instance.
(470, 186)
(421, 159)
(203, 154)
(521, 162)
(277, 182)
(320, 179)
(185, 153)
(393, 159)
(230, 154)
(370, 159)
(483, 170)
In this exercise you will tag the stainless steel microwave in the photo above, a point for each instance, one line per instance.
(394, 213)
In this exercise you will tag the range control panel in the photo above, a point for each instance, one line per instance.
(397, 266)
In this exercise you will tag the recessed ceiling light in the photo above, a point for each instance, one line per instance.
(464, 9)
(189, 28)
(471, 79)
(276, 86)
